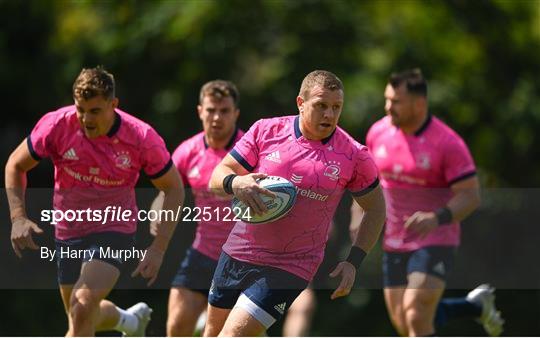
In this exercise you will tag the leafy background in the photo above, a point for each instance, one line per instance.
(482, 60)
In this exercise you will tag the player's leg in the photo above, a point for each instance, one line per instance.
(420, 302)
(94, 284)
(395, 283)
(479, 304)
(393, 298)
(263, 302)
(189, 293)
(215, 321)
(68, 271)
(86, 293)
(75, 283)
(241, 323)
(224, 290)
(427, 270)
(185, 307)
(298, 320)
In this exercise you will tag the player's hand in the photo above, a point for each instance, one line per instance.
(21, 234)
(149, 267)
(247, 190)
(422, 223)
(348, 274)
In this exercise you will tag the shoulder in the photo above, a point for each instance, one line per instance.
(239, 134)
(60, 121)
(194, 143)
(272, 126)
(446, 135)
(62, 116)
(346, 143)
(276, 123)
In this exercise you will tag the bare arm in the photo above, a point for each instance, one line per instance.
(371, 216)
(156, 205)
(18, 164)
(356, 218)
(466, 199)
(374, 215)
(172, 188)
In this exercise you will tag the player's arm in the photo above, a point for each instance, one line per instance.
(230, 177)
(357, 213)
(20, 162)
(157, 205)
(172, 188)
(465, 199)
(371, 220)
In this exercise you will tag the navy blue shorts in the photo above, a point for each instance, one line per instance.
(69, 269)
(432, 260)
(195, 272)
(264, 292)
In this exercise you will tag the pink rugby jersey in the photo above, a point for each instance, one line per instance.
(97, 173)
(416, 174)
(321, 171)
(195, 161)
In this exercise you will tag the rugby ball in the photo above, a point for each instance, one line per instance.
(277, 207)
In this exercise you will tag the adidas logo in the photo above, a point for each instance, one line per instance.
(280, 308)
(296, 178)
(439, 268)
(274, 157)
(70, 155)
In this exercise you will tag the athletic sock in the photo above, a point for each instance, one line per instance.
(127, 322)
(452, 308)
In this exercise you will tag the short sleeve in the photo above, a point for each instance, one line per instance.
(180, 160)
(365, 177)
(458, 162)
(156, 160)
(246, 150)
(40, 141)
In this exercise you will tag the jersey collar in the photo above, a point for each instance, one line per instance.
(229, 145)
(424, 126)
(298, 133)
(115, 126)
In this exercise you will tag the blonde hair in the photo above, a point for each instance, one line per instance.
(322, 78)
(93, 82)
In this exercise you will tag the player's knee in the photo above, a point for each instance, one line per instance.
(399, 323)
(177, 328)
(83, 307)
(81, 314)
(211, 330)
(415, 317)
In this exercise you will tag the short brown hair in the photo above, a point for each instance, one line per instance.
(413, 79)
(93, 82)
(321, 78)
(219, 89)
